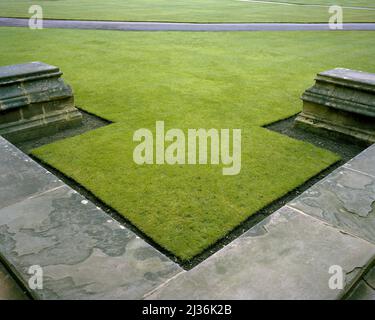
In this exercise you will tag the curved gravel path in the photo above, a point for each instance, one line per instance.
(175, 26)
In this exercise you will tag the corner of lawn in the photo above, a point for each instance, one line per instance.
(188, 80)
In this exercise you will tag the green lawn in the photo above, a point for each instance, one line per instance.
(347, 3)
(189, 80)
(187, 10)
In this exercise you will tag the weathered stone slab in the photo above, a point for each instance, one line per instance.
(286, 256)
(21, 72)
(20, 176)
(362, 291)
(341, 102)
(9, 289)
(344, 199)
(34, 101)
(84, 253)
(365, 288)
(364, 162)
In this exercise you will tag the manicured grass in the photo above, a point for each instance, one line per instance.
(189, 80)
(187, 10)
(348, 3)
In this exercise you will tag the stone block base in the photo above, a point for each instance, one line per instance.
(341, 103)
(321, 119)
(35, 102)
(38, 125)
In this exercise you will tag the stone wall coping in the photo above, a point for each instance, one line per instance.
(26, 72)
(350, 78)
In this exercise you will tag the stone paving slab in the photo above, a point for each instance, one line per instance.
(370, 278)
(21, 177)
(365, 288)
(9, 289)
(345, 199)
(286, 256)
(362, 291)
(364, 162)
(84, 253)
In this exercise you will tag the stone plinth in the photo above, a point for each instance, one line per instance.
(341, 102)
(34, 101)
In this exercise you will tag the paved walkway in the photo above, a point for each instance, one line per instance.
(168, 26)
(85, 254)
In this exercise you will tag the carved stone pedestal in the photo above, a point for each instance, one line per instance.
(342, 103)
(34, 101)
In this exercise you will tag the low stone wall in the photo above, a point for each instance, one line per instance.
(35, 101)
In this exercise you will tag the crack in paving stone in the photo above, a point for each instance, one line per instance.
(354, 269)
(361, 216)
(347, 166)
